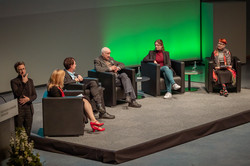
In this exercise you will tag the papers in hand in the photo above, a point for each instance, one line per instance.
(80, 95)
(223, 67)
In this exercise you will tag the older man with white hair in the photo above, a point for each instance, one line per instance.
(105, 63)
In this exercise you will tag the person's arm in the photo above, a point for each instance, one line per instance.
(119, 65)
(100, 67)
(168, 60)
(213, 59)
(229, 60)
(17, 87)
(148, 58)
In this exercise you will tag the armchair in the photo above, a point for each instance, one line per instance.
(156, 83)
(211, 86)
(112, 93)
(63, 116)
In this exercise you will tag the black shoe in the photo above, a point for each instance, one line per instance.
(134, 104)
(106, 116)
(100, 108)
(128, 99)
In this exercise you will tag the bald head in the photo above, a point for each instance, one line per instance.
(106, 53)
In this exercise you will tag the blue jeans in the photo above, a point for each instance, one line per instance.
(168, 77)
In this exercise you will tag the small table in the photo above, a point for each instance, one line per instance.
(189, 73)
(140, 93)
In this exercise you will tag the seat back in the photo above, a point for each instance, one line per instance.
(62, 116)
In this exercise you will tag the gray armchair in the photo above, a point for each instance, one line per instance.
(63, 116)
(112, 93)
(156, 84)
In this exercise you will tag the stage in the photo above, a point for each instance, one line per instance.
(158, 125)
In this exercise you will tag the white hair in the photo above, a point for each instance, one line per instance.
(104, 49)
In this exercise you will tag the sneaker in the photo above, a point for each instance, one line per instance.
(176, 86)
(134, 104)
(167, 95)
(106, 116)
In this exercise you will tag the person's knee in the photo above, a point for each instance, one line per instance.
(93, 84)
(166, 68)
(123, 75)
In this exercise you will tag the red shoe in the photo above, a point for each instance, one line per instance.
(97, 128)
(225, 93)
(96, 124)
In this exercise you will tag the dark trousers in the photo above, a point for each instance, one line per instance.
(96, 93)
(124, 80)
(24, 118)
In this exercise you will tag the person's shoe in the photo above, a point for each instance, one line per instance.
(134, 104)
(100, 108)
(167, 95)
(128, 99)
(96, 123)
(176, 86)
(106, 116)
(221, 92)
(225, 93)
(94, 128)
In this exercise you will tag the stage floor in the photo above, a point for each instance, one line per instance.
(159, 120)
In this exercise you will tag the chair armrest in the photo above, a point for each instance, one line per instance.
(237, 64)
(209, 65)
(179, 67)
(107, 80)
(152, 71)
(72, 92)
(74, 86)
(88, 79)
(237, 67)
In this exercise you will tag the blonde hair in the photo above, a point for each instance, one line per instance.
(56, 79)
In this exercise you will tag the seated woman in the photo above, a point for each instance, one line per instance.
(159, 56)
(54, 88)
(223, 73)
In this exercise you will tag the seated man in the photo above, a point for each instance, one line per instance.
(95, 91)
(105, 63)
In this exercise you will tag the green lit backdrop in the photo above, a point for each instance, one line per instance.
(207, 29)
(130, 31)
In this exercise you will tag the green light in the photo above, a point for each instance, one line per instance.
(130, 31)
(207, 29)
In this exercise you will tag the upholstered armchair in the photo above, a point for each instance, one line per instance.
(211, 86)
(63, 116)
(112, 93)
(156, 85)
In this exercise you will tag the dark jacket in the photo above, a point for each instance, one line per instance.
(101, 66)
(152, 55)
(68, 79)
(21, 89)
